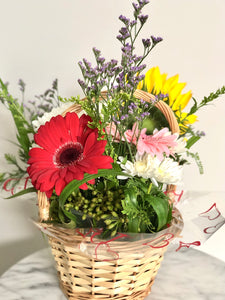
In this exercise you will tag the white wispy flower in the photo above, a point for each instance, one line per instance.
(54, 112)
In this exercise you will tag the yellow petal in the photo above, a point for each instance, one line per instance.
(175, 92)
(170, 83)
(182, 101)
(191, 119)
(164, 75)
(157, 81)
(148, 81)
(185, 119)
(140, 85)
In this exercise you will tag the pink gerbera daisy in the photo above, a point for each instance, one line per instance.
(160, 143)
(68, 148)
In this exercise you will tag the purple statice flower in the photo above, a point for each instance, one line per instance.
(21, 85)
(113, 63)
(100, 60)
(137, 58)
(87, 63)
(120, 37)
(133, 105)
(136, 6)
(200, 133)
(145, 114)
(143, 18)
(124, 32)
(31, 102)
(97, 52)
(122, 117)
(81, 65)
(143, 2)
(133, 22)
(81, 83)
(124, 19)
(138, 118)
(156, 40)
(161, 96)
(146, 42)
(127, 49)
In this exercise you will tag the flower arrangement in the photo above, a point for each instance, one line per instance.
(108, 164)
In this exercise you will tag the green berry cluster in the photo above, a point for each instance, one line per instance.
(103, 207)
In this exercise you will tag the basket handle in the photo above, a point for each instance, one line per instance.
(163, 107)
(44, 202)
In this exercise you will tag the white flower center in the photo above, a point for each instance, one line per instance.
(140, 166)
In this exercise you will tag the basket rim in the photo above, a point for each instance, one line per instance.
(130, 242)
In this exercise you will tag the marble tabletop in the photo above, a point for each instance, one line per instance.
(184, 275)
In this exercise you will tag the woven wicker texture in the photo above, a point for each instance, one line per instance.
(85, 277)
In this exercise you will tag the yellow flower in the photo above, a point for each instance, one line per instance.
(185, 120)
(157, 83)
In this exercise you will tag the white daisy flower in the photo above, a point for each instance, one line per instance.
(143, 166)
(167, 171)
(54, 112)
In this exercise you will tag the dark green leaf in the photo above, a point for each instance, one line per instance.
(160, 206)
(23, 192)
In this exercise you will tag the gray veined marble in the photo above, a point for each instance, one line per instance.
(184, 275)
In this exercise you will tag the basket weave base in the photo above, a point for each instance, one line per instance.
(135, 296)
(83, 277)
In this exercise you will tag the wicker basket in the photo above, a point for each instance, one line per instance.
(129, 275)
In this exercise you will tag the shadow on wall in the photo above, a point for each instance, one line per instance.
(19, 237)
(12, 252)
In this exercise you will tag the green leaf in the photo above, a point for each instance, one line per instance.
(62, 216)
(131, 196)
(194, 108)
(23, 192)
(160, 206)
(192, 141)
(11, 159)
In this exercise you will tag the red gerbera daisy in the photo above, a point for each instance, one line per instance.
(68, 149)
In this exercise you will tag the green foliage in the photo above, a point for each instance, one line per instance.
(206, 100)
(147, 209)
(23, 115)
(196, 157)
(115, 205)
(23, 127)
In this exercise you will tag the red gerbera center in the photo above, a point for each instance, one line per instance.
(69, 154)
(68, 148)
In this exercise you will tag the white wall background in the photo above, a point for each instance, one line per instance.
(43, 40)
